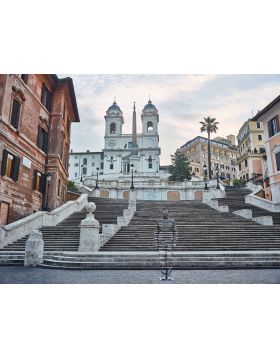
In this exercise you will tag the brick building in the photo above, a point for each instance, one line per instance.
(36, 112)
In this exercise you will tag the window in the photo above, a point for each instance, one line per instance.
(150, 126)
(246, 163)
(76, 164)
(76, 157)
(239, 167)
(259, 137)
(150, 162)
(258, 125)
(84, 170)
(277, 159)
(46, 97)
(273, 126)
(39, 181)
(93, 164)
(15, 113)
(196, 169)
(222, 166)
(102, 165)
(227, 167)
(84, 161)
(111, 166)
(113, 128)
(76, 175)
(24, 77)
(42, 140)
(10, 165)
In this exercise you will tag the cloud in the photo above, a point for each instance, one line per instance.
(182, 101)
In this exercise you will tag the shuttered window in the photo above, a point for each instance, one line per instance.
(273, 126)
(10, 165)
(15, 113)
(46, 97)
(42, 141)
(39, 181)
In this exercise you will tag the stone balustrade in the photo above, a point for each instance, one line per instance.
(262, 203)
(16, 230)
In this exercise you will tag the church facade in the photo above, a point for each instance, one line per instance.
(122, 152)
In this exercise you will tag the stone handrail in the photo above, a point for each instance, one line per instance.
(16, 230)
(254, 188)
(262, 203)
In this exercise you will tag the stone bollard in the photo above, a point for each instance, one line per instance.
(89, 231)
(34, 249)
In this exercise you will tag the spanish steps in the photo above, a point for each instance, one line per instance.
(65, 236)
(235, 200)
(206, 238)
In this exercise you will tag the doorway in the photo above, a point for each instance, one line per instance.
(4, 213)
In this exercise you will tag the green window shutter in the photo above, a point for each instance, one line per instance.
(4, 162)
(15, 114)
(39, 136)
(15, 168)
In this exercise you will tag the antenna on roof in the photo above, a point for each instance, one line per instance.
(115, 99)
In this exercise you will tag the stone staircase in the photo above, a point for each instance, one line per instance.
(200, 228)
(150, 260)
(206, 238)
(65, 236)
(235, 200)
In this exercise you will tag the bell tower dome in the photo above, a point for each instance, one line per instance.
(114, 120)
(150, 119)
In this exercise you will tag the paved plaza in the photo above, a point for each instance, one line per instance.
(21, 275)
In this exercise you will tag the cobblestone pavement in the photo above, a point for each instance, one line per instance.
(21, 275)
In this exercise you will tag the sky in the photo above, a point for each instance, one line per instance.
(182, 101)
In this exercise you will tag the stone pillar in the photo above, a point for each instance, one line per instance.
(34, 249)
(89, 231)
(132, 199)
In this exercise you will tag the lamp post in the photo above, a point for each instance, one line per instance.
(205, 176)
(49, 178)
(132, 186)
(96, 184)
(81, 180)
(217, 176)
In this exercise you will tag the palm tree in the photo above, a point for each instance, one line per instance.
(211, 126)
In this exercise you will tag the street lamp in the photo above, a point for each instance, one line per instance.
(81, 180)
(132, 186)
(217, 176)
(96, 184)
(205, 176)
(49, 178)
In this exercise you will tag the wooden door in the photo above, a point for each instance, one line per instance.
(4, 213)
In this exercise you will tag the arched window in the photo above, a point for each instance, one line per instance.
(150, 161)
(113, 128)
(150, 126)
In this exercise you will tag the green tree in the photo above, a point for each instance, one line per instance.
(71, 185)
(210, 125)
(180, 169)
